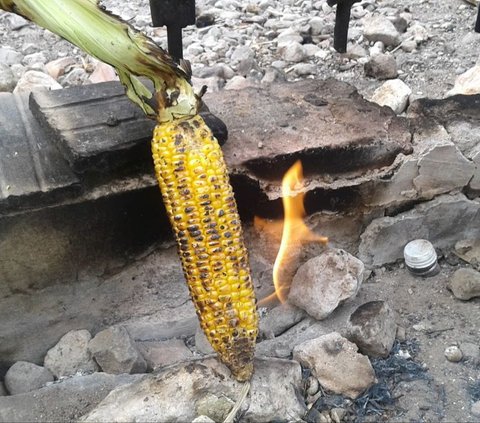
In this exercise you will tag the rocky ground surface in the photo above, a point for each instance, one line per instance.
(428, 44)
(382, 345)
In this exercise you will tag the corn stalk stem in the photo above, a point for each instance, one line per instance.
(109, 39)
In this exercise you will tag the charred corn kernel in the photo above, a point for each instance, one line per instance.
(199, 200)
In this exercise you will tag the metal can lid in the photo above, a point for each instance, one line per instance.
(419, 254)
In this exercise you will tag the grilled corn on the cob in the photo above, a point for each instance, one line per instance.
(199, 200)
(189, 166)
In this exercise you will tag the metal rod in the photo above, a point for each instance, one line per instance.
(342, 21)
(175, 44)
(477, 25)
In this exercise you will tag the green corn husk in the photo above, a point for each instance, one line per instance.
(104, 36)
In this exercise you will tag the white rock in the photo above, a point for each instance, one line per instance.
(326, 281)
(310, 50)
(201, 342)
(380, 28)
(34, 59)
(203, 419)
(467, 83)
(34, 80)
(242, 53)
(174, 393)
(303, 69)
(337, 365)
(293, 52)
(25, 377)
(453, 354)
(418, 32)
(9, 56)
(71, 355)
(476, 409)
(288, 36)
(317, 25)
(394, 94)
(115, 352)
(238, 83)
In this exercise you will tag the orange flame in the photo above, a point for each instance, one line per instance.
(295, 232)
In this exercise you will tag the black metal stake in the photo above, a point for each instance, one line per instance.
(342, 21)
(477, 25)
(175, 43)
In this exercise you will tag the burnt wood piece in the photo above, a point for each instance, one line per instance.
(342, 21)
(33, 172)
(175, 15)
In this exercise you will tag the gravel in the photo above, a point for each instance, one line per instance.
(431, 42)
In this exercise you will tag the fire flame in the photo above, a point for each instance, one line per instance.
(295, 231)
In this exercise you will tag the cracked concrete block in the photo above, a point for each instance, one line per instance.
(443, 221)
(442, 169)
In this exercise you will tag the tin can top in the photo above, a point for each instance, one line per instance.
(419, 254)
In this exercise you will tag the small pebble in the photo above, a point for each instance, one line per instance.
(453, 354)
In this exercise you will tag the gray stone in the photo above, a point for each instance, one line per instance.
(418, 32)
(326, 281)
(394, 94)
(475, 409)
(379, 28)
(467, 83)
(273, 75)
(381, 66)
(172, 395)
(214, 407)
(115, 352)
(242, 53)
(7, 79)
(372, 327)
(337, 365)
(317, 25)
(475, 182)
(203, 419)
(469, 251)
(453, 354)
(158, 354)
(409, 45)
(442, 169)
(279, 319)
(35, 80)
(9, 56)
(24, 377)
(302, 69)
(384, 239)
(292, 52)
(288, 36)
(3, 390)
(71, 355)
(34, 59)
(76, 76)
(471, 352)
(63, 401)
(201, 342)
(239, 82)
(465, 284)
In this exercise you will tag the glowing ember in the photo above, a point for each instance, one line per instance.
(294, 234)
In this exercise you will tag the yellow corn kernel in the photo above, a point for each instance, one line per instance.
(199, 201)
